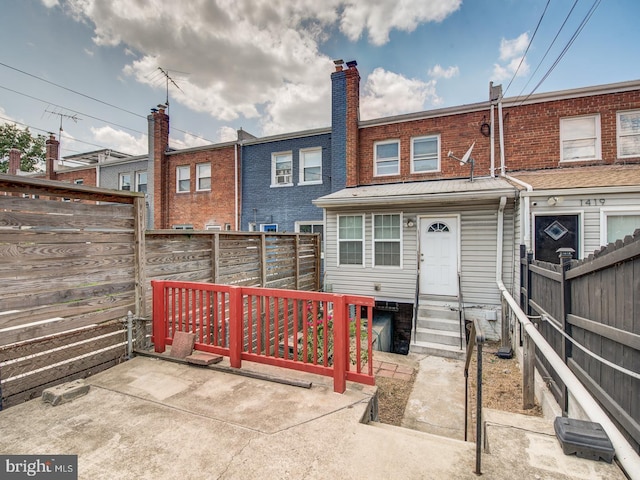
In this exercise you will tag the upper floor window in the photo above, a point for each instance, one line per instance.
(425, 154)
(281, 169)
(386, 240)
(203, 176)
(268, 227)
(386, 157)
(629, 134)
(350, 240)
(311, 165)
(580, 138)
(183, 178)
(141, 182)
(124, 182)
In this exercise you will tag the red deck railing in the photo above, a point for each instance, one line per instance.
(322, 333)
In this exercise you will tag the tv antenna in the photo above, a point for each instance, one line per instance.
(466, 158)
(168, 80)
(73, 117)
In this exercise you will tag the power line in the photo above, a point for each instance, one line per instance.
(587, 17)
(528, 46)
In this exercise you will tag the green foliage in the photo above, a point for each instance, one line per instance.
(31, 148)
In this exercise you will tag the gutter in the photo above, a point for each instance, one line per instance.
(525, 211)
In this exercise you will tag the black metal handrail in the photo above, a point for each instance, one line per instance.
(476, 337)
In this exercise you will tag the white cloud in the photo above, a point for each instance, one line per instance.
(438, 72)
(387, 93)
(50, 3)
(227, 134)
(379, 17)
(248, 58)
(89, 53)
(511, 57)
(121, 141)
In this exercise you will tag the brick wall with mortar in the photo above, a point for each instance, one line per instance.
(284, 206)
(200, 208)
(158, 123)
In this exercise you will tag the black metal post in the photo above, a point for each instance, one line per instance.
(565, 254)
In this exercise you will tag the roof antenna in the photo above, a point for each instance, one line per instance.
(73, 117)
(167, 80)
(465, 159)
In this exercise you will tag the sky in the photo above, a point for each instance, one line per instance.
(98, 67)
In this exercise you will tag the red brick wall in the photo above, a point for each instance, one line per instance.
(88, 176)
(532, 138)
(160, 134)
(215, 207)
(353, 116)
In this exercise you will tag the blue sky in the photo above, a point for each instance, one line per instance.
(265, 65)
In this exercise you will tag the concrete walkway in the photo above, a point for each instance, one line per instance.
(154, 419)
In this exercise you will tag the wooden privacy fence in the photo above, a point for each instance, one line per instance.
(315, 332)
(74, 260)
(589, 312)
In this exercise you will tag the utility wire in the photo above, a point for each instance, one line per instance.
(528, 46)
(586, 19)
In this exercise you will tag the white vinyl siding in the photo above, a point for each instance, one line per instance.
(580, 138)
(386, 158)
(628, 134)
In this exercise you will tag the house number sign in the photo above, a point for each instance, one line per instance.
(592, 202)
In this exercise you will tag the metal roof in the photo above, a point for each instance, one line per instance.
(420, 192)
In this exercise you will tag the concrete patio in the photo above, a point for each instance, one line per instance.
(154, 419)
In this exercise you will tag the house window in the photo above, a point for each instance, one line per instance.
(203, 176)
(425, 154)
(281, 165)
(141, 182)
(386, 240)
(79, 181)
(268, 227)
(629, 134)
(312, 227)
(182, 227)
(617, 224)
(580, 138)
(311, 166)
(183, 178)
(350, 240)
(125, 182)
(212, 227)
(387, 157)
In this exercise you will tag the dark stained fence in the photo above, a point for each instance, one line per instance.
(70, 272)
(596, 302)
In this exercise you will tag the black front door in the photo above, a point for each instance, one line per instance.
(554, 232)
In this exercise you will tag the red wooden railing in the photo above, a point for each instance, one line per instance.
(315, 332)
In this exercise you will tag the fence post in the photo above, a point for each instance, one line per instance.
(340, 332)
(565, 254)
(235, 326)
(528, 372)
(159, 316)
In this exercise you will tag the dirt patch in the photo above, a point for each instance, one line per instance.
(501, 388)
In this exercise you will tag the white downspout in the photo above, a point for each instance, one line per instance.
(502, 161)
(493, 143)
(525, 213)
(500, 240)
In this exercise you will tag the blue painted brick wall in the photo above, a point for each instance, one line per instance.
(282, 205)
(339, 129)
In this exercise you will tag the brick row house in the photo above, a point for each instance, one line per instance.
(403, 219)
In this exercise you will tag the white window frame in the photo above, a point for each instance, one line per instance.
(180, 170)
(339, 241)
(121, 182)
(619, 133)
(79, 181)
(565, 136)
(437, 158)
(303, 152)
(274, 177)
(182, 227)
(375, 241)
(606, 212)
(200, 176)
(376, 161)
(263, 227)
(213, 227)
(138, 175)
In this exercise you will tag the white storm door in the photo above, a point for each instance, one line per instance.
(439, 256)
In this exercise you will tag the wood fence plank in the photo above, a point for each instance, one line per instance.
(19, 219)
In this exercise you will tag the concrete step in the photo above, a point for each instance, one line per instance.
(444, 324)
(442, 337)
(454, 442)
(435, 311)
(438, 350)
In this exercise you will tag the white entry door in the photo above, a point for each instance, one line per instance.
(439, 256)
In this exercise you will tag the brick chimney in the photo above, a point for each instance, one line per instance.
(14, 161)
(345, 115)
(159, 171)
(53, 152)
